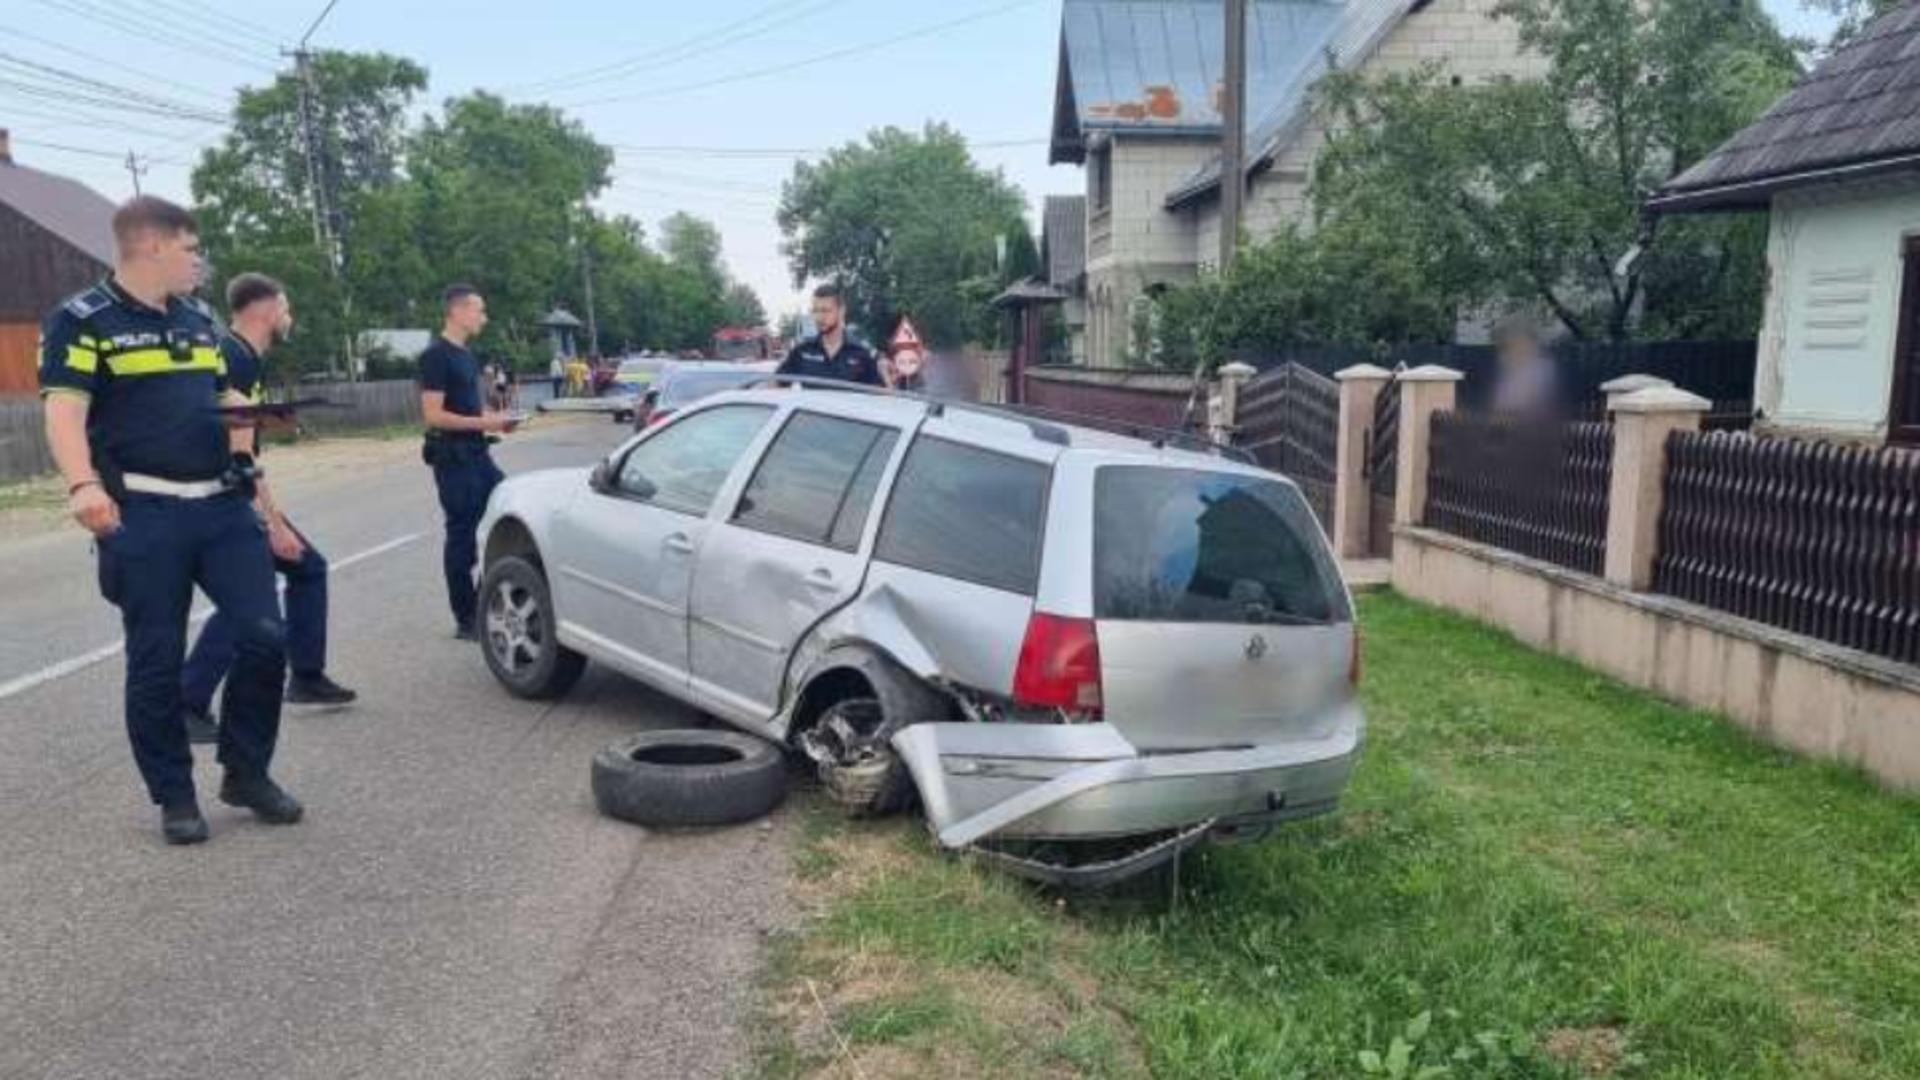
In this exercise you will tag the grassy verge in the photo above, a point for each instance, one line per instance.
(1538, 872)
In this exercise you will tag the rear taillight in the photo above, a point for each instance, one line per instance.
(1354, 660)
(1059, 665)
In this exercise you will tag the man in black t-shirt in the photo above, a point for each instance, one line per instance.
(452, 402)
(828, 354)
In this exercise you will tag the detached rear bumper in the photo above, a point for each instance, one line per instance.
(1046, 781)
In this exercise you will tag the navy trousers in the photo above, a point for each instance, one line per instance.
(306, 620)
(148, 569)
(465, 479)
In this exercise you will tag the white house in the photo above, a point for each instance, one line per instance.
(1137, 102)
(1837, 161)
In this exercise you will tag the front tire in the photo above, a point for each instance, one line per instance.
(518, 633)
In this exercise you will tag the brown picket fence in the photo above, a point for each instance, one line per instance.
(1537, 489)
(1818, 538)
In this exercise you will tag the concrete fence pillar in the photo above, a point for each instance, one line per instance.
(1424, 390)
(1642, 420)
(1360, 388)
(1223, 401)
(1615, 389)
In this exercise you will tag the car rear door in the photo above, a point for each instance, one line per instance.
(1220, 613)
(623, 558)
(788, 554)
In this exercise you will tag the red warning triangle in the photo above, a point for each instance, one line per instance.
(906, 335)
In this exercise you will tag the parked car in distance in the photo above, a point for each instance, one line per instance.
(680, 383)
(1084, 653)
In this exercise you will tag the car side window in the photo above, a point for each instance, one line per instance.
(682, 467)
(817, 480)
(967, 513)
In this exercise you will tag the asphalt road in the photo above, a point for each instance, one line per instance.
(452, 906)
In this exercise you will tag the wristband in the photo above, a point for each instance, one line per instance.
(75, 489)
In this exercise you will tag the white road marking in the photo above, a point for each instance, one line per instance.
(72, 665)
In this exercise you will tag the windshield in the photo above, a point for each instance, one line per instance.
(1185, 545)
(685, 388)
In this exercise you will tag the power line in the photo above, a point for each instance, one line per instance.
(91, 151)
(698, 47)
(820, 58)
(64, 49)
(71, 118)
(317, 20)
(69, 94)
(166, 14)
(595, 73)
(152, 35)
(121, 95)
(791, 151)
(227, 24)
(261, 31)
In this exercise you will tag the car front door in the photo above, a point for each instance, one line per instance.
(624, 555)
(791, 552)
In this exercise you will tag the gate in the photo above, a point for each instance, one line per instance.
(1289, 419)
(1380, 468)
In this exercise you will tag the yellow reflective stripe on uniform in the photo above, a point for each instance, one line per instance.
(161, 362)
(83, 360)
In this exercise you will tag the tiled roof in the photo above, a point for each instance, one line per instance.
(68, 209)
(1857, 112)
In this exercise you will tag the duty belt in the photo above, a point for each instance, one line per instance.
(178, 489)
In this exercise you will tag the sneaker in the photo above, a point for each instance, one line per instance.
(466, 632)
(201, 730)
(258, 793)
(181, 823)
(317, 689)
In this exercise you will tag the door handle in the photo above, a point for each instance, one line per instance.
(822, 580)
(678, 544)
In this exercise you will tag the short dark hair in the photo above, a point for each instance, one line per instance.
(249, 289)
(150, 213)
(455, 293)
(829, 291)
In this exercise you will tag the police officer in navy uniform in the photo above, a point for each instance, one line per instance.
(453, 404)
(260, 317)
(829, 354)
(132, 378)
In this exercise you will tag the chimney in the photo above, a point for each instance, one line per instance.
(6, 147)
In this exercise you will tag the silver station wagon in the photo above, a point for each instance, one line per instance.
(1081, 652)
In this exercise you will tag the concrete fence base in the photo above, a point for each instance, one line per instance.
(1805, 695)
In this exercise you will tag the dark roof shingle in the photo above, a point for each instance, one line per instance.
(68, 209)
(1859, 108)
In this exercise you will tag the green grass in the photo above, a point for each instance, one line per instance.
(1538, 872)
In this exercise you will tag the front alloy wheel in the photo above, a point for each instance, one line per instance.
(517, 632)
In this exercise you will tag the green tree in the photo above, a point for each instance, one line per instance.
(1530, 191)
(254, 200)
(743, 307)
(903, 221)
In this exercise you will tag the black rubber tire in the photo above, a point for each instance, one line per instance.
(555, 669)
(689, 778)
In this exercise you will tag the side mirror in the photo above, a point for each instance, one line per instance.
(601, 479)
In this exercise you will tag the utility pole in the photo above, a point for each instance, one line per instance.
(316, 193)
(1233, 140)
(135, 170)
(593, 323)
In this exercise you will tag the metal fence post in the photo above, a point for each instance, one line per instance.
(1424, 390)
(1642, 421)
(1360, 388)
(1223, 402)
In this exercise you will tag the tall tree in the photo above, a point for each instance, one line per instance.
(693, 244)
(903, 221)
(743, 307)
(1530, 191)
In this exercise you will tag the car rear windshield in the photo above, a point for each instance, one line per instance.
(967, 513)
(1188, 545)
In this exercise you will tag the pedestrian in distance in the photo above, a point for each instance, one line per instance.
(557, 374)
(830, 353)
(261, 317)
(452, 402)
(132, 380)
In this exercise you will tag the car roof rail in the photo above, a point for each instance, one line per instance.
(1044, 424)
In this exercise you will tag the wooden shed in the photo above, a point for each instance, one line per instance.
(56, 238)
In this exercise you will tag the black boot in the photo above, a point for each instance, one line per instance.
(181, 823)
(258, 793)
(201, 730)
(316, 689)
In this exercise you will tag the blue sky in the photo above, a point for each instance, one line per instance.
(722, 73)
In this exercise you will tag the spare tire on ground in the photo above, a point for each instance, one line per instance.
(689, 778)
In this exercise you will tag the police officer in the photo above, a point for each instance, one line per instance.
(262, 317)
(132, 378)
(829, 354)
(452, 402)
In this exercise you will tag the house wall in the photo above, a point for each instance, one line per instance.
(1828, 335)
(37, 271)
(1134, 242)
(1463, 36)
